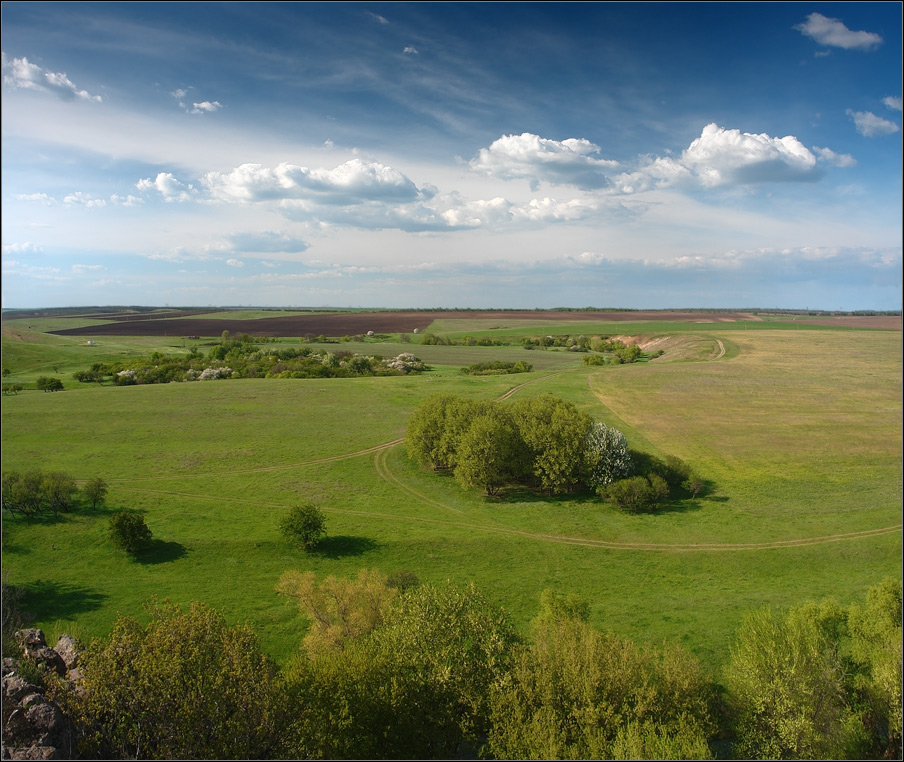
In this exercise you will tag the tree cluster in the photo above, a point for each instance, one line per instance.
(537, 441)
(36, 492)
(436, 671)
(545, 443)
(234, 358)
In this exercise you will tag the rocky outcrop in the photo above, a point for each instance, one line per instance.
(34, 726)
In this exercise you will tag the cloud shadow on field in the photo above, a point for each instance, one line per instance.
(339, 546)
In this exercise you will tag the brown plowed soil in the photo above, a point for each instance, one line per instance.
(353, 323)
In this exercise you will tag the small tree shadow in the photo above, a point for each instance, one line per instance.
(161, 552)
(339, 546)
(45, 600)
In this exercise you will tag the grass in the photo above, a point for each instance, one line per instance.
(799, 433)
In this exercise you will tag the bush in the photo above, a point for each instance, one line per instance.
(304, 526)
(186, 686)
(637, 494)
(129, 531)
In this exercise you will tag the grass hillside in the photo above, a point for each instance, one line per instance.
(799, 433)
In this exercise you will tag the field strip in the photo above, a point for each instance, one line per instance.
(565, 540)
(264, 469)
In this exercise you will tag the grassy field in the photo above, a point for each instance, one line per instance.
(799, 433)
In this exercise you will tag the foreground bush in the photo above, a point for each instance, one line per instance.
(187, 686)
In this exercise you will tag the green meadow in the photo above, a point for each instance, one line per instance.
(798, 432)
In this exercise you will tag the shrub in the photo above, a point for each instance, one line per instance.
(304, 526)
(637, 494)
(129, 531)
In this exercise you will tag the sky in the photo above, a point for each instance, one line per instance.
(442, 155)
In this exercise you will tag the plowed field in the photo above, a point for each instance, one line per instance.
(353, 323)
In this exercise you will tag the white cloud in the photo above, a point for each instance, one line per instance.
(869, 125)
(83, 199)
(129, 200)
(42, 198)
(235, 263)
(87, 268)
(353, 182)
(21, 248)
(377, 17)
(833, 33)
(168, 187)
(843, 160)
(892, 102)
(22, 74)
(528, 156)
(205, 107)
(410, 50)
(721, 157)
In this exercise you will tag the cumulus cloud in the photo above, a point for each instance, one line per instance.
(410, 50)
(235, 263)
(528, 156)
(21, 73)
(869, 125)
(353, 182)
(833, 33)
(83, 199)
(892, 102)
(168, 187)
(722, 157)
(205, 107)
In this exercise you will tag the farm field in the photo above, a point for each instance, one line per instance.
(799, 432)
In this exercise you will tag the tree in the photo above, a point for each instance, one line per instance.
(875, 631)
(339, 610)
(304, 526)
(606, 456)
(576, 693)
(49, 384)
(95, 491)
(555, 433)
(186, 686)
(490, 453)
(786, 687)
(426, 430)
(23, 492)
(58, 489)
(129, 531)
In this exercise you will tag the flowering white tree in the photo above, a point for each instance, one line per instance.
(406, 362)
(606, 456)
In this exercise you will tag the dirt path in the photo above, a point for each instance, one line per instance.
(721, 350)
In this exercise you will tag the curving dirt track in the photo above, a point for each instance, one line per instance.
(354, 323)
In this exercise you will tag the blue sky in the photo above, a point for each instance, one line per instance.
(514, 155)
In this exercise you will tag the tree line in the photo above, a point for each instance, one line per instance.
(235, 358)
(543, 442)
(390, 668)
(36, 492)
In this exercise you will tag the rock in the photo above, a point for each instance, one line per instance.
(30, 639)
(16, 688)
(69, 649)
(49, 659)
